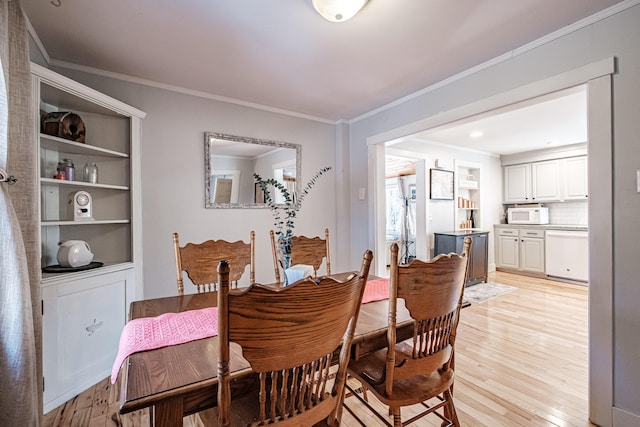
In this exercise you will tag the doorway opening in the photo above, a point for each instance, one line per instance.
(597, 77)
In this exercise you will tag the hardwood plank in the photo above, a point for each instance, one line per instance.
(52, 418)
(66, 413)
(100, 408)
(81, 417)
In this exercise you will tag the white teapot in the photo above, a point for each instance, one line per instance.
(74, 253)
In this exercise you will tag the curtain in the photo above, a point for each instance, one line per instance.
(20, 366)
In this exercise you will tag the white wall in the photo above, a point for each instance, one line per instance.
(441, 212)
(615, 36)
(172, 156)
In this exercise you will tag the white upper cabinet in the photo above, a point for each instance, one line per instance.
(576, 182)
(546, 181)
(517, 183)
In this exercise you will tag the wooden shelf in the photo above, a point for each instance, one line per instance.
(55, 278)
(82, 184)
(71, 147)
(93, 222)
(468, 186)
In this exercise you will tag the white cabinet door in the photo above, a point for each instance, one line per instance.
(82, 321)
(508, 252)
(545, 179)
(517, 183)
(576, 182)
(532, 254)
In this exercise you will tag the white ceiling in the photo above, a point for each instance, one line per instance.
(283, 55)
(548, 121)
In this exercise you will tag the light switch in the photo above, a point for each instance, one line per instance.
(361, 193)
(638, 180)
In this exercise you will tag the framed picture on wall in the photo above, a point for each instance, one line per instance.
(441, 184)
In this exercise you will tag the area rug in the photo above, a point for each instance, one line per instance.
(481, 292)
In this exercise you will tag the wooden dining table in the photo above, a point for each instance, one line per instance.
(179, 380)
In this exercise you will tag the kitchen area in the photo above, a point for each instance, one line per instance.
(519, 186)
(544, 232)
(527, 213)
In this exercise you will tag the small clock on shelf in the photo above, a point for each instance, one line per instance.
(80, 206)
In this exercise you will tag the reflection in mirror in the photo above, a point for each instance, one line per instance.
(231, 161)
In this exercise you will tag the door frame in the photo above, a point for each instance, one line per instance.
(597, 77)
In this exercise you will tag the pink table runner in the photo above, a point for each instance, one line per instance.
(148, 333)
(376, 290)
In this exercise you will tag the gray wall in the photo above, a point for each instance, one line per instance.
(172, 155)
(615, 36)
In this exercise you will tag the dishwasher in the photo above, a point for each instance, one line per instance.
(567, 254)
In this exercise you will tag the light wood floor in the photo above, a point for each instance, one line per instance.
(521, 360)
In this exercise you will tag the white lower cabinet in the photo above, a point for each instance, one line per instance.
(532, 253)
(521, 249)
(508, 252)
(82, 321)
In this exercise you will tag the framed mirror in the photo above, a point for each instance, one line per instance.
(231, 161)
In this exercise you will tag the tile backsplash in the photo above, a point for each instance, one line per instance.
(569, 213)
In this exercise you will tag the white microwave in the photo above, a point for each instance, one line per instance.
(534, 215)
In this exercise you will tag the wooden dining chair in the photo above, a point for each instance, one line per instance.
(421, 368)
(200, 260)
(304, 250)
(290, 337)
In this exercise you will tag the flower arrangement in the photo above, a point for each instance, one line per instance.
(285, 213)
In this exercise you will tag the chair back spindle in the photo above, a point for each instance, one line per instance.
(305, 250)
(199, 261)
(420, 368)
(289, 336)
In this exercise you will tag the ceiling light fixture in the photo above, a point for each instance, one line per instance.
(476, 134)
(338, 10)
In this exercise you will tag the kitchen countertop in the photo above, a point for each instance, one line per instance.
(568, 227)
(462, 232)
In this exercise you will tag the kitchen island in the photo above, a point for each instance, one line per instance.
(453, 241)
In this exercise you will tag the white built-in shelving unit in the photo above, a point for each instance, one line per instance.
(83, 312)
(467, 195)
